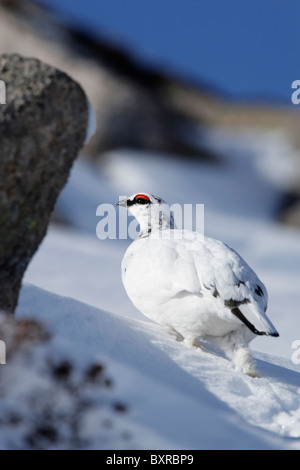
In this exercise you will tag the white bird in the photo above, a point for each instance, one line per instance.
(198, 287)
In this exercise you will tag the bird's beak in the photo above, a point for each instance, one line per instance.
(122, 203)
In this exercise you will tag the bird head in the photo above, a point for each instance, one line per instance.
(151, 212)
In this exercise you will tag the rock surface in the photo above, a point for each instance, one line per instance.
(42, 128)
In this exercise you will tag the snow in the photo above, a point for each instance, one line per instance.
(182, 398)
(91, 124)
(178, 397)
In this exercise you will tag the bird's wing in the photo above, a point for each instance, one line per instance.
(230, 282)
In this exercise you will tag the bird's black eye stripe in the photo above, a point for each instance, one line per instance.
(141, 200)
(138, 200)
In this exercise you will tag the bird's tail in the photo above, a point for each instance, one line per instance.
(255, 320)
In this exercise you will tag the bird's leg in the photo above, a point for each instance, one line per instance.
(242, 359)
(236, 349)
(175, 333)
(191, 341)
(195, 343)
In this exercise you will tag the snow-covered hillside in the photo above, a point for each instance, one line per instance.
(178, 397)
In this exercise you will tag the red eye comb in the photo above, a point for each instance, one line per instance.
(142, 196)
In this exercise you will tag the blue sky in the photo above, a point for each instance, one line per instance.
(246, 48)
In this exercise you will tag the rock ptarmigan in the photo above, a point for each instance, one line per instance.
(198, 287)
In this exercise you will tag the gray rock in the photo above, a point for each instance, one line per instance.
(42, 128)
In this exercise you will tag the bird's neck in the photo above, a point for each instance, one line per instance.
(155, 221)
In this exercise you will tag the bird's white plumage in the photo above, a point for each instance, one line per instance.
(195, 285)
